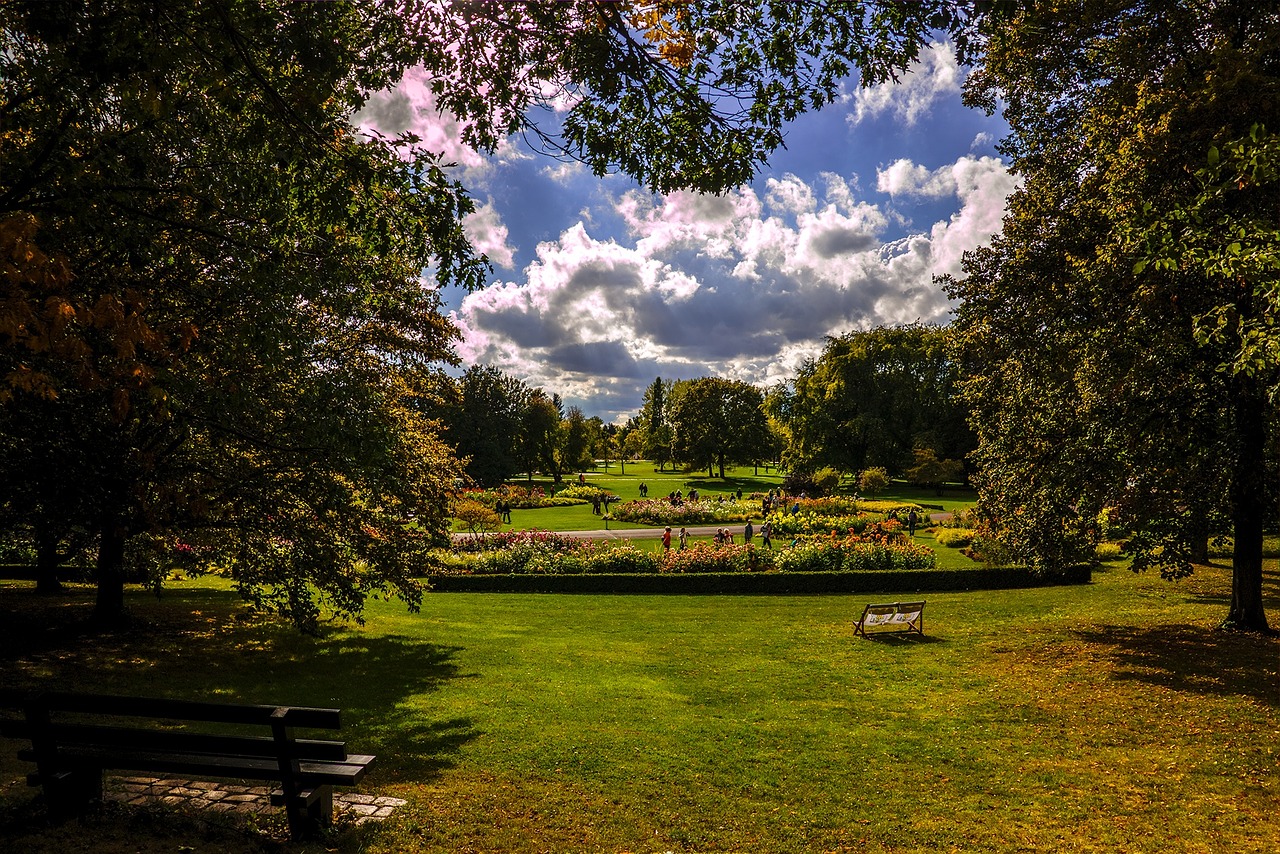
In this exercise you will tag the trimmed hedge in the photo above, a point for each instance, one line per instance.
(767, 583)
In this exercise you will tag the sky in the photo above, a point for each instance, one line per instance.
(599, 286)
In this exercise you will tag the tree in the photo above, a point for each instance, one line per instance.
(477, 518)
(717, 421)
(874, 396)
(655, 423)
(539, 432)
(1099, 377)
(873, 481)
(222, 280)
(934, 473)
(484, 423)
(577, 439)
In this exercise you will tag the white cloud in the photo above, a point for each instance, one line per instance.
(714, 285)
(789, 195)
(936, 75)
(410, 107)
(488, 234)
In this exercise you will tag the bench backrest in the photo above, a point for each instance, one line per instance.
(891, 614)
(97, 719)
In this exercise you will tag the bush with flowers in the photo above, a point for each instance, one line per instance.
(853, 553)
(660, 511)
(506, 539)
(523, 498)
(706, 557)
(586, 492)
(806, 523)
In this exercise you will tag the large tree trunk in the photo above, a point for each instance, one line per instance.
(109, 608)
(1248, 500)
(47, 562)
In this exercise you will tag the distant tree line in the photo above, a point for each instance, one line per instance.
(884, 398)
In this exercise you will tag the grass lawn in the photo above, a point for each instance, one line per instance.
(1103, 718)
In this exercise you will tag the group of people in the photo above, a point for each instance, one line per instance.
(723, 536)
(503, 508)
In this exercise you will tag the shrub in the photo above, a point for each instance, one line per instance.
(476, 517)
(624, 558)
(1108, 551)
(954, 538)
(826, 480)
(521, 498)
(799, 483)
(873, 481)
(586, 492)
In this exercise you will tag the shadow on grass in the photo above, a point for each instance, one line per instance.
(1193, 659)
(198, 643)
(901, 639)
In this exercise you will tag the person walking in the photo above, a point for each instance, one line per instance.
(766, 530)
(666, 540)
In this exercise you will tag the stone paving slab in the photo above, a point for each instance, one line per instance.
(234, 797)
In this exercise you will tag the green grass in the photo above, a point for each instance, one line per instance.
(1111, 717)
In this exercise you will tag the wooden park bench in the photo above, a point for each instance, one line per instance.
(903, 617)
(75, 737)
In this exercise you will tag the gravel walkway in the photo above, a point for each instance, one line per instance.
(231, 797)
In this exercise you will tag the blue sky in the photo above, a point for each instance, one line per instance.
(598, 286)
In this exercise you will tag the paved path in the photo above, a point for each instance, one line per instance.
(230, 797)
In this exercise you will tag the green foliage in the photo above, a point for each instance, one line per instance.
(954, 538)
(716, 422)
(476, 518)
(827, 480)
(873, 396)
(932, 472)
(697, 104)
(1112, 108)
(873, 481)
(1106, 552)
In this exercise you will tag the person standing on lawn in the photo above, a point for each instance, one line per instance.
(766, 530)
(666, 540)
(684, 539)
(748, 532)
(912, 519)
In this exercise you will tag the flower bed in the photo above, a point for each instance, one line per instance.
(521, 498)
(807, 523)
(507, 539)
(660, 511)
(855, 553)
(881, 546)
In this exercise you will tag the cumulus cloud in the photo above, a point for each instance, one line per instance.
(487, 233)
(411, 107)
(728, 285)
(936, 75)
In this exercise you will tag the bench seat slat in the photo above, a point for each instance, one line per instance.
(192, 710)
(178, 740)
(311, 773)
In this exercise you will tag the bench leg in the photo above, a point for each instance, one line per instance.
(309, 812)
(70, 793)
